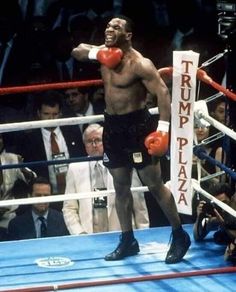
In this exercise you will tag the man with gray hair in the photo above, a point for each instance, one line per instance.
(92, 215)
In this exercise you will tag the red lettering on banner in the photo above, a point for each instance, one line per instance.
(183, 106)
(182, 199)
(183, 120)
(182, 183)
(181, 142)
(185, 93)
(185, 80)
(182, 172)
(186, 63)
(181, 157)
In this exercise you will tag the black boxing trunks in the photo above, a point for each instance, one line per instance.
(123, 139)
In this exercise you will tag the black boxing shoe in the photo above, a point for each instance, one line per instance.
(178, 248)
(124, 249)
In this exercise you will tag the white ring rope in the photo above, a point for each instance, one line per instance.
(213, 175)
(218, 125)
(65, 197)
(225, 207)
(213, 97)
(201, 112)
(87, 195)
(12, 127)
(213, 59)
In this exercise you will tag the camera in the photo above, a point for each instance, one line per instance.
(208, 208)
(226, 18)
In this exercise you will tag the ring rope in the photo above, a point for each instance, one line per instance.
(213, 59)
(48, 86)
(213, 175)
(212, 138)
(65, 197)
(50, 162)
(200, 114)
(201, 153)
(202, 75)
(12, 127)
(142, 278)
(213, 97)
(86, 195)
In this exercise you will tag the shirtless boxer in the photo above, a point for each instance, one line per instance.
(130, 137)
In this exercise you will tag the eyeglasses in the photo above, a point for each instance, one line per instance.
(96, 141)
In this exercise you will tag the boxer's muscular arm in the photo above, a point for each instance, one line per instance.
(110, 57)
(157, 142)
(156, 86)
(81, 52)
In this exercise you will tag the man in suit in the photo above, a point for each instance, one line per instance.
(36, 144)
(40, 220)
(79, 103)
(98, 214)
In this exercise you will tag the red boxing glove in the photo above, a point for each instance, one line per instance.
(110, 57)
(157, 142)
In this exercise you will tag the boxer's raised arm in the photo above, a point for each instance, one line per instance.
(81, 52)
(110, 57)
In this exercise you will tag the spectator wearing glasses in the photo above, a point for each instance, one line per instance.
(91, 215)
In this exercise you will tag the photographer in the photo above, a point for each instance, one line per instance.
(230, 227)
(210, 217)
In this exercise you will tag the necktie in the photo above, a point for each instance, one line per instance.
(54, 145)
(61, 181)
(100, 217)
(43, 226)
(99, 202)
(98, 173)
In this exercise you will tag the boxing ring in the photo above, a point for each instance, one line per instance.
(70, 263)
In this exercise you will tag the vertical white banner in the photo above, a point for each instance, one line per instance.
(185, 64)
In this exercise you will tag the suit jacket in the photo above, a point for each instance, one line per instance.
(78, 214)
(22, 226)
(32, 148)
(9, 178)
